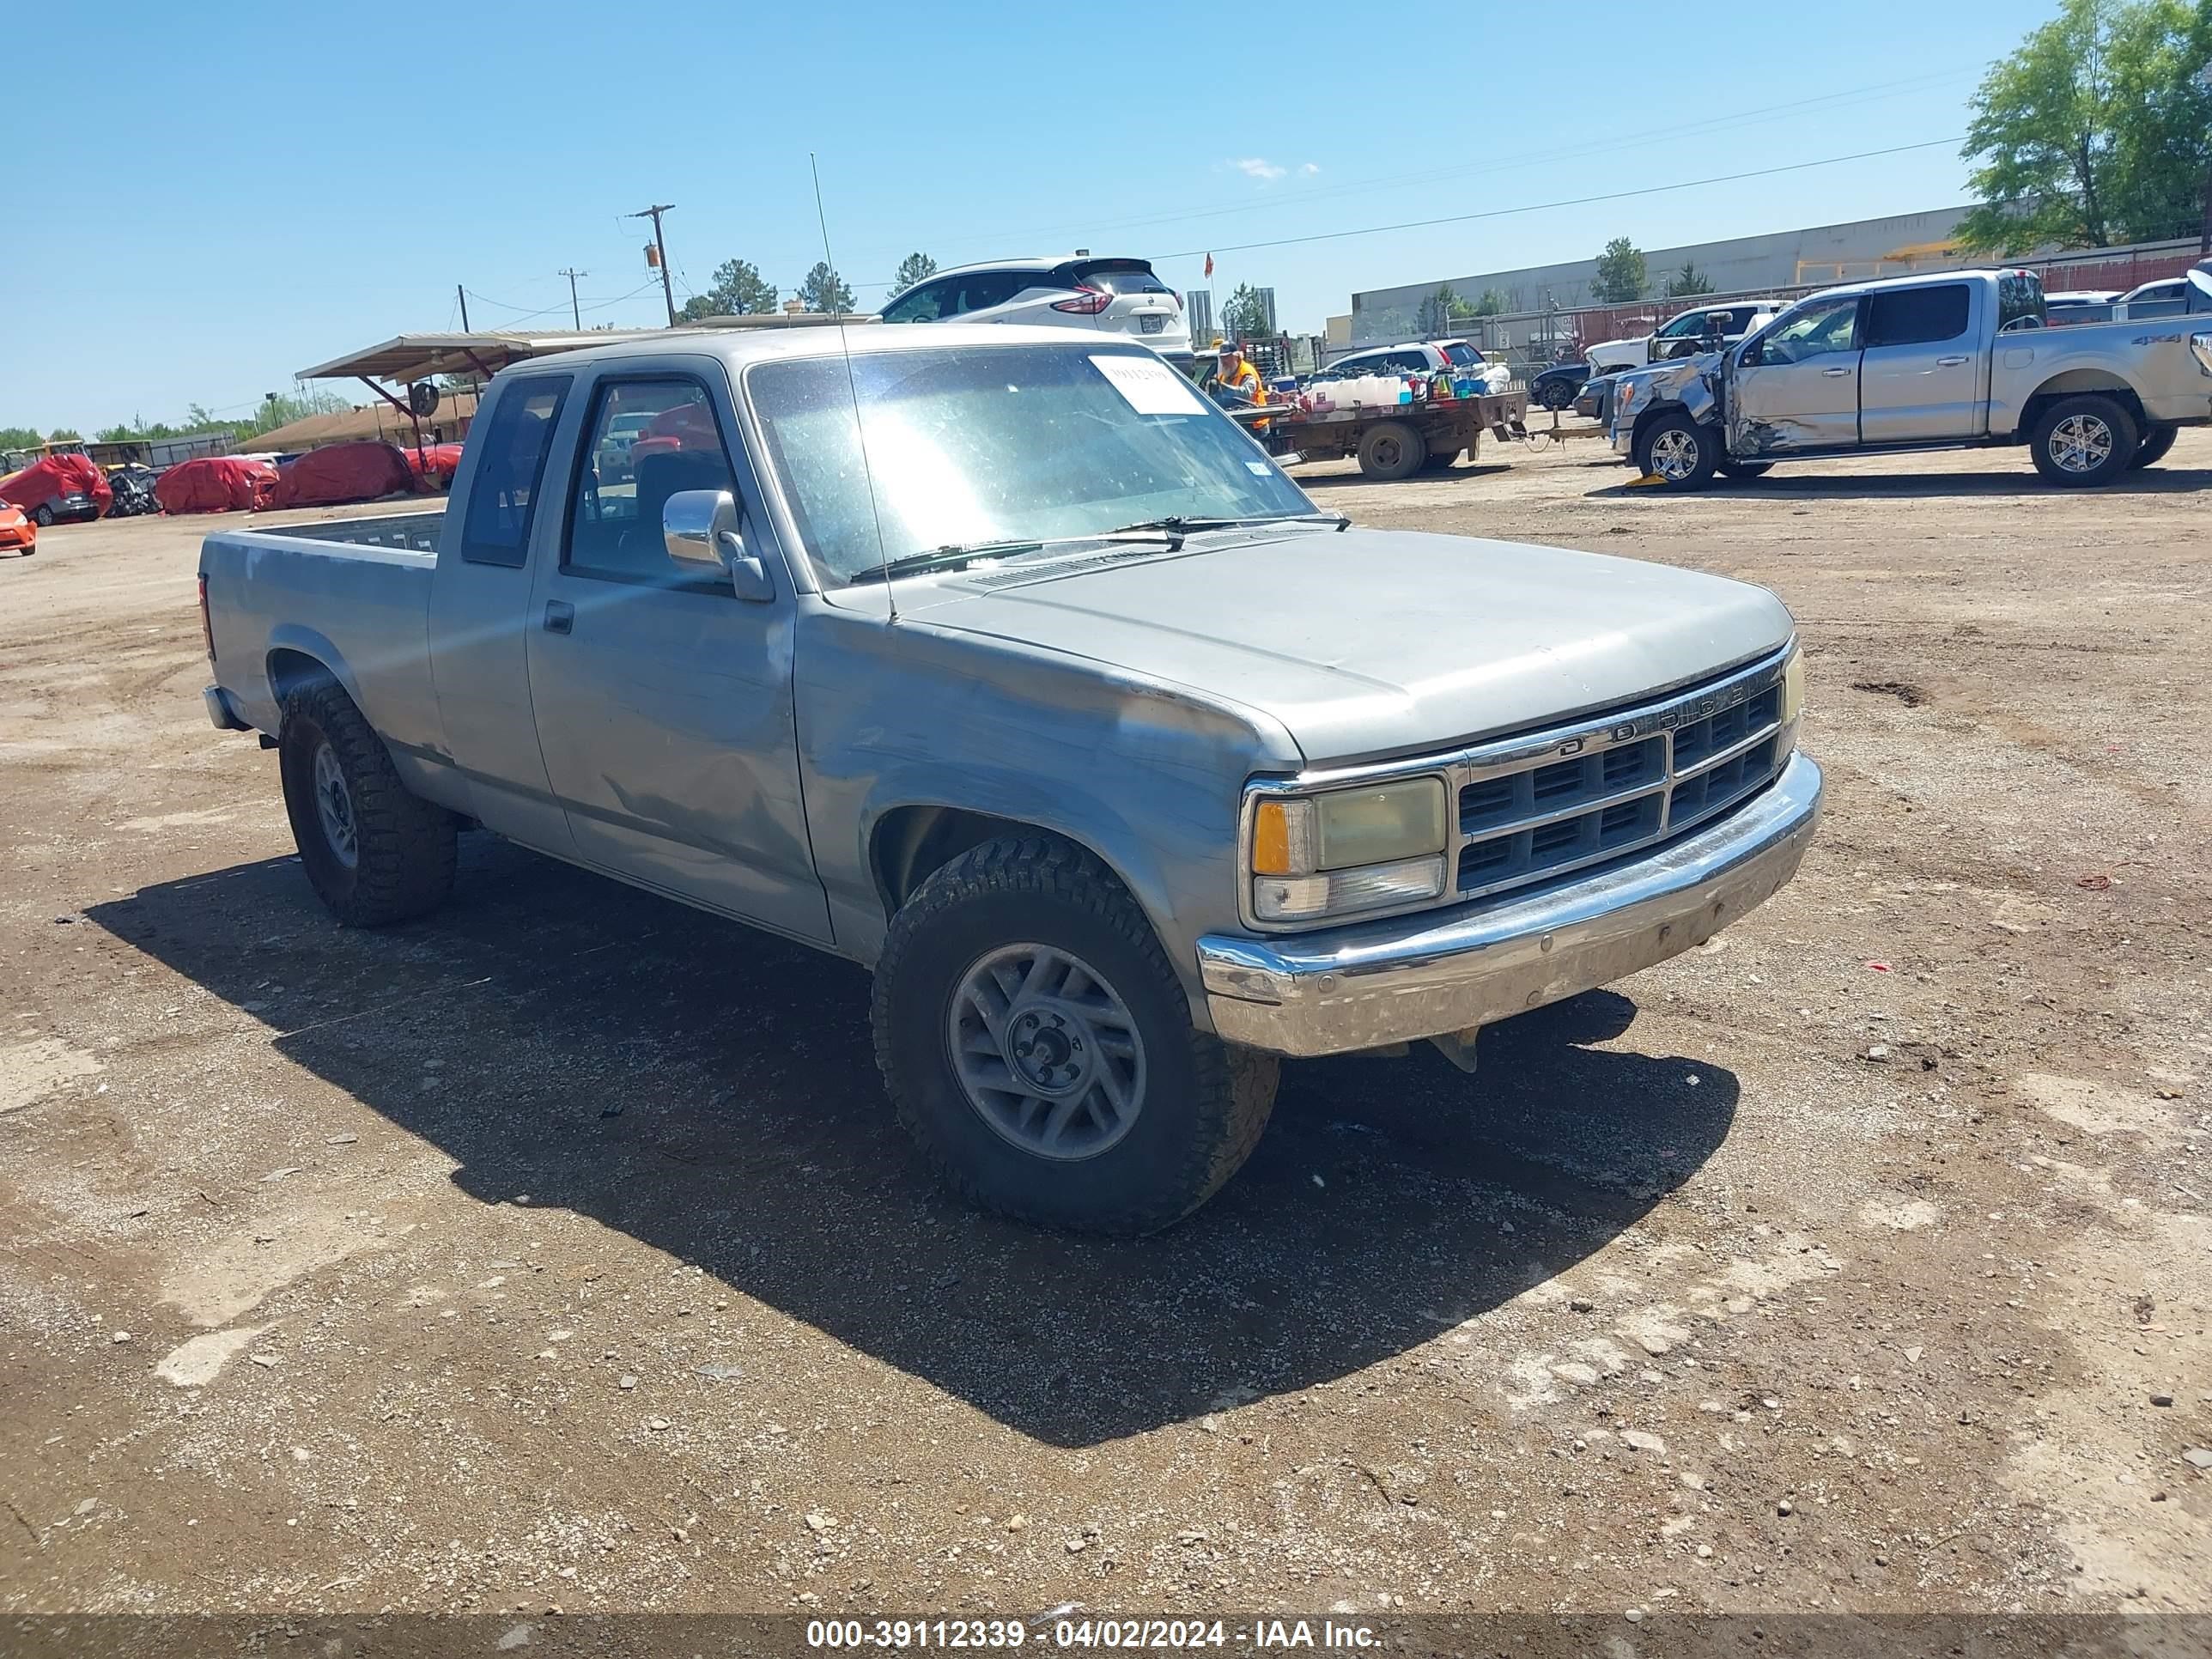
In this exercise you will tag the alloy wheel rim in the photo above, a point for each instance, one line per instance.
(1675, 455)
(334, 807)
(2081, 443)
(1046, 1052)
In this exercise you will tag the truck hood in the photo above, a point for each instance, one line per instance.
(1370, 643)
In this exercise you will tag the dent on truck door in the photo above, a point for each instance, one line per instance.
(1797, 387)
(664, 701)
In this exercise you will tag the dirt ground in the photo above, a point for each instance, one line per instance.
(560, 1251)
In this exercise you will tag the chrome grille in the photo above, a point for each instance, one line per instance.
(1534, 807)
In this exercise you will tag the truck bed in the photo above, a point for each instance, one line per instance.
(351, 592)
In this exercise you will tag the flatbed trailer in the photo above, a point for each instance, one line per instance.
(1391, 441)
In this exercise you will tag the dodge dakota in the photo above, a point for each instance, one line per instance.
(1962, 359)
(1003, 664)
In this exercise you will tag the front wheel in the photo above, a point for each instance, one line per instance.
(1037, 1045)
(2083, 440)
(2155, 443)
(1678, 451)
(1390, 449)
(43, 516)
(1557, 395)
(374, 853)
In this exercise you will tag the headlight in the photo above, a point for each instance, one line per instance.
(1348, 850)
(1793, 687)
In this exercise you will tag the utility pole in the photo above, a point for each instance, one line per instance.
(576, 315)
(462, 295)
(660, 253)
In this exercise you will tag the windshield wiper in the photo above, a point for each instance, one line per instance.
(1178, 526)
(951, 556)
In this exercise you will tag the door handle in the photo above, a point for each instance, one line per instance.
(1833, 373)
(1948, 363)
(560, 616)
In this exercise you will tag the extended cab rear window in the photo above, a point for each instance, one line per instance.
(1916, 316)
(503, 491)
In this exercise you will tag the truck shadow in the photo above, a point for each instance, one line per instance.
(1789, 485)
(711, 1092)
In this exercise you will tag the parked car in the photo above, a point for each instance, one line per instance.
(1923, 363)
(914, 666)
(132, 485)
(1106, 296)
(1422, 358)
(1682, 336)
(1557, 387)
(2081, 305)
(2167, 298)
(18, 535)
(58, 488)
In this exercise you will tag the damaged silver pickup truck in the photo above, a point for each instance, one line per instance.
(1965, 359)
(998, 661)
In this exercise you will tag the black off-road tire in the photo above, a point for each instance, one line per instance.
(404, 846)
(1390, 449)
(1745, 469)
(2090, 407)
(1205, 1102)
(1703, 444)
(2156, 441)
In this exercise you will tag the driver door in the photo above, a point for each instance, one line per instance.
(1796, 387)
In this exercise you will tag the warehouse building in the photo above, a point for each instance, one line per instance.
(1893, 247)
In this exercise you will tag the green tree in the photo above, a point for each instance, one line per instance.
(20, 437)
(1687, 282)
(65, 434)
(737, 290)
(2095, 130)
(1438, 310)
(915, 268)
(1493, 303)
(1621, 273)
(824, 290)
(1245, 316)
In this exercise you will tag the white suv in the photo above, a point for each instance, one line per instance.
(1112, 296)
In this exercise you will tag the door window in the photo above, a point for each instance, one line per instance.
(503, 494)
(1689, 323)
(1819, 330)
(925, 304)
(646, 440)
(1407, 362)
(981, 289)
(1916, 316)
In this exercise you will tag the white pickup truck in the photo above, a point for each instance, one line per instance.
(1963, 359)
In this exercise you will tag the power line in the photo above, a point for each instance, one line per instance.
(1565, 202)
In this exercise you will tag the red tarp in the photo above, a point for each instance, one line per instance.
(343, 473)
(433, 464)
(215, 484)
(55, 475)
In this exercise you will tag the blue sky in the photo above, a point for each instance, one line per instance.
(232, 192)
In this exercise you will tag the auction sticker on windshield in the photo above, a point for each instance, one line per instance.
(1148, 386)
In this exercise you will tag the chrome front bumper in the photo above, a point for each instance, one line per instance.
(1369, 984)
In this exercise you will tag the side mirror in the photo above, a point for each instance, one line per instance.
(699, 528)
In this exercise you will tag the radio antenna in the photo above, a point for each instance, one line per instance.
(853, 386)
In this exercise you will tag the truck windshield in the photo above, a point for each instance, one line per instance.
(982, 445)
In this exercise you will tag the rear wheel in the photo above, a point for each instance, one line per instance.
(2156, 441)
(1678, 451)
(1391, 450)
(374, 853)
(2083, 440)
(1038, 1046)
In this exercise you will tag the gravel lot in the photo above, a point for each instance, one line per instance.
(560, 1251)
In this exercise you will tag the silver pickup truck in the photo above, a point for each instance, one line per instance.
(1925, 362)
(1002, 663)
